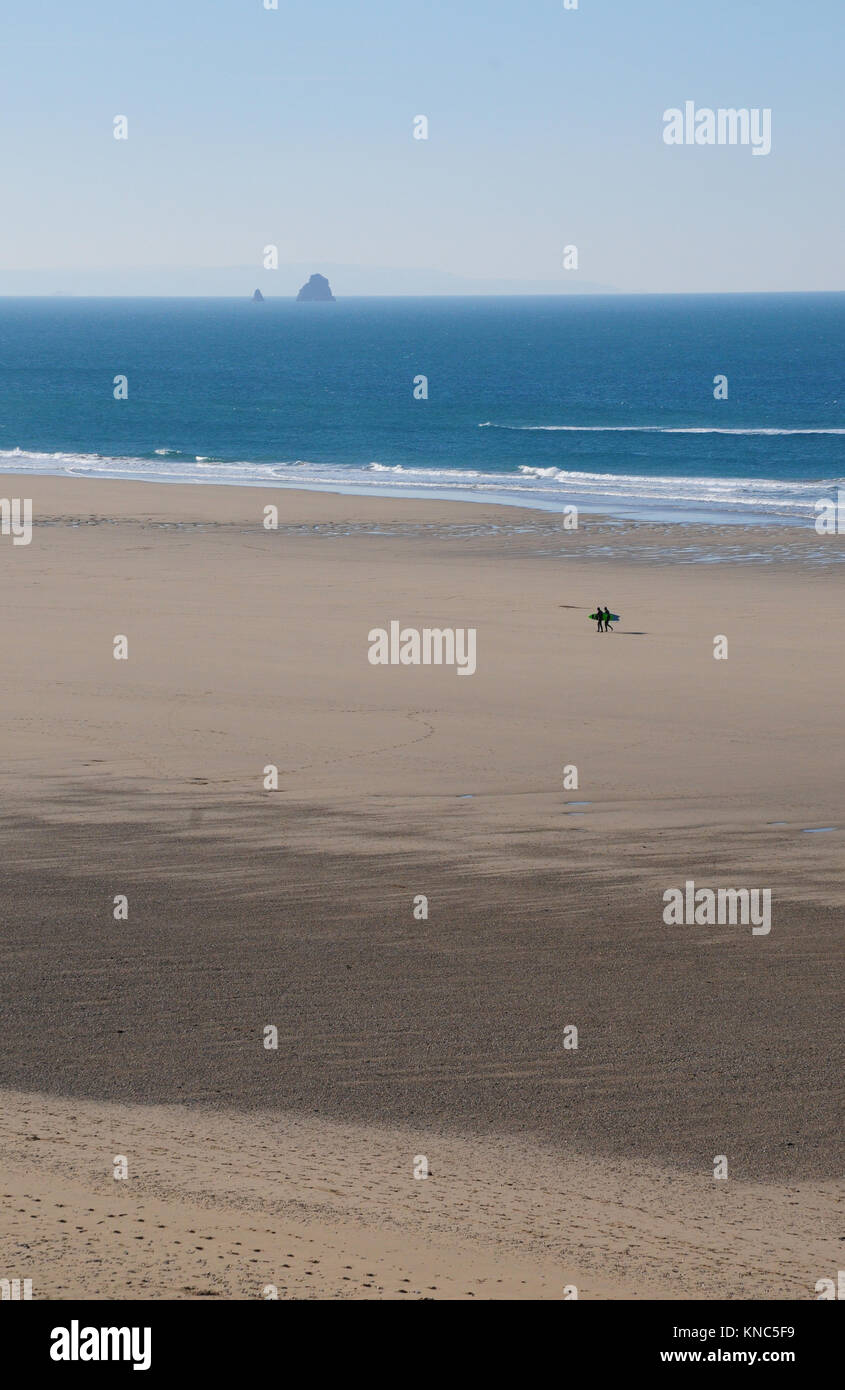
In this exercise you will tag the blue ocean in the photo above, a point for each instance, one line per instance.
(604, 401)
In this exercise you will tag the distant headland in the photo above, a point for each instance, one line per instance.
(318, 288)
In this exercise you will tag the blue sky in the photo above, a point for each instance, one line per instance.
(294, 127)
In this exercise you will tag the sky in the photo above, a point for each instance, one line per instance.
(293, 127)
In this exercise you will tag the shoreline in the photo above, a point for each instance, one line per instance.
(599, 536)
(657, 511)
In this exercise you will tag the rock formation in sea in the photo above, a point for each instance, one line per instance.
(258, 297)
(318, 287)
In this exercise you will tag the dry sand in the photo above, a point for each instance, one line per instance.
(247, 648)
(223, 1206)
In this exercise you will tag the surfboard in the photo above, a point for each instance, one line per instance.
(614, 617)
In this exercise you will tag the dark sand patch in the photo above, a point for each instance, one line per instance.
(693, 1041)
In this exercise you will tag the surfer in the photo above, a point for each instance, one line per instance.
(600, 616)
(607, 626)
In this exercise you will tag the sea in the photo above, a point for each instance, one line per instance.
(607, 402)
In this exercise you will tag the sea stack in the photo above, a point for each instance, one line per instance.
(258, 297)
(318, 288)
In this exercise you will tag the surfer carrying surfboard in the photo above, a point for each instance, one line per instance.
(604, 618)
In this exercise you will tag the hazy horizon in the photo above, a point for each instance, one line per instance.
(545, 129)
(524, 293)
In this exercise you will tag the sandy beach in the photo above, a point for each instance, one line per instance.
(398, 1035)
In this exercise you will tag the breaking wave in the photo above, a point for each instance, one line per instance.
(652, 429)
